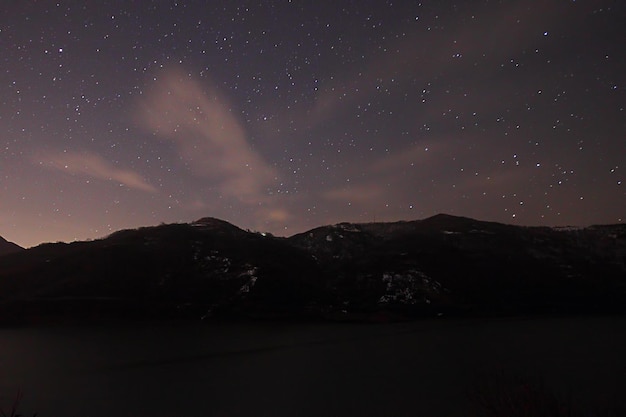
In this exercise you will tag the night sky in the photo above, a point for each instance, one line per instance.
(281, 116)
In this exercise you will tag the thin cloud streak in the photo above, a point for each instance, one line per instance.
(93, 166)
(360, 193)
(423, 56)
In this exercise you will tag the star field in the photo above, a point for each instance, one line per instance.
(281, 116)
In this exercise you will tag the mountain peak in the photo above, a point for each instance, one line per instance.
(7, 247)
(447, 221)
(212, 223)
(446, 217)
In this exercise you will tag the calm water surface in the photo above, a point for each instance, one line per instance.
(424, 368)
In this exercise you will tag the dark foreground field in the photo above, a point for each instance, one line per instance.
(424, 368)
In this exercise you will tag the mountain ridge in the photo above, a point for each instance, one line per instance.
(7, 247)
(211, 268)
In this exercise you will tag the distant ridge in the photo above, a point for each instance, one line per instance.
(441, 265)
(212, 223)
(7, 247)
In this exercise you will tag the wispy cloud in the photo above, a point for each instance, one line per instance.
(207, 135)
(386, 173)
(415, 176)
(93, 166)
(365, 193)
(422, 56)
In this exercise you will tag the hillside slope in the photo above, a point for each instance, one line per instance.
(440, 265)
(7, 247)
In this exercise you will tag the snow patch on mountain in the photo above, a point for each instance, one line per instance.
(252, 278)
(213, 262)
(409, 288)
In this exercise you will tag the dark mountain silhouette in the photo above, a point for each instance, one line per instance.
(7, 247)
(447, 263)
(211, 268)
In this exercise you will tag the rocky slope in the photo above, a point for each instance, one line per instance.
(210, 268)
(7, 247)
